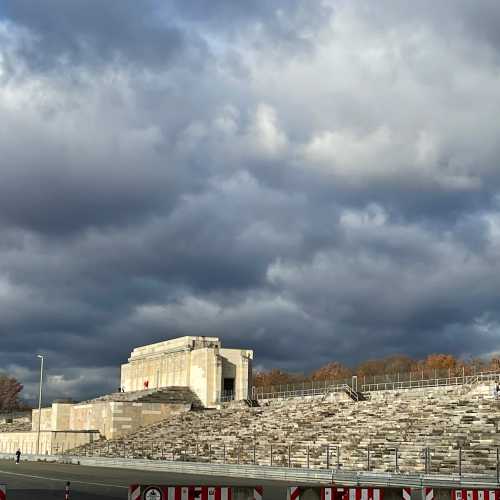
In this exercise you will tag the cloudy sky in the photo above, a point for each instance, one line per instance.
(314, 180)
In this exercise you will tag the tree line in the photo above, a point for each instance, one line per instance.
(390, 365)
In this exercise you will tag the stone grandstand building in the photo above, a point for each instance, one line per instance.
(158, 381)
(199, 363)
(440, 425)
(433, 429)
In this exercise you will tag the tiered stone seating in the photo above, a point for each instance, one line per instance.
(307, 432)
(16, 426)
(172, 395)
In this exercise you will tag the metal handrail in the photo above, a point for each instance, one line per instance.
(383, 386)
(317, 391)
(351, 393)
(433, 382)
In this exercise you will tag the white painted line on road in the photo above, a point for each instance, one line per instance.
(63, 480)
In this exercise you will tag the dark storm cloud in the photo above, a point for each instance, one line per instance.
(289, 24)
(221, 11)
(187, 168)
(85, 32)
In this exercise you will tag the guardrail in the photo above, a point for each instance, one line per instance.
(297, 476)
(315, 391)
(437, 382)
(405, 459)
(325, 388)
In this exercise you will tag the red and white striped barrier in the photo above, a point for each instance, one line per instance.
(143, 492)
(475, 495)
(333, 493)
(427, 493)
(3, 492)
(258, 493)
(134, 492)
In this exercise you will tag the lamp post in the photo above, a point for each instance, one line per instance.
(39, 405)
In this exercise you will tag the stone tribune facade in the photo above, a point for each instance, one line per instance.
(199, 363)
(180, 374)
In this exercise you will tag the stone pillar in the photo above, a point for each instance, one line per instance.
(243, 377)
(217, 379)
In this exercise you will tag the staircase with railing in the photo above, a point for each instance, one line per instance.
(353, 394)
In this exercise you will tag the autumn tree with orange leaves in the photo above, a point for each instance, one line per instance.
(432, 365)
(274, 377)
(331, 371)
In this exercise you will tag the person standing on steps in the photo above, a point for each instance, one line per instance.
(18, 456)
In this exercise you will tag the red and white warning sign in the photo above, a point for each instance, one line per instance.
(3, 492)
(161, 492)
(333, 493)
(153, 493)
(475, 495)
(329, 493)
(199, 493)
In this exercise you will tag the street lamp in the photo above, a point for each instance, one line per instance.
(39, 405)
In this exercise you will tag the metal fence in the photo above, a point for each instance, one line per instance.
(365, 384)
(291, 475)
(396, 459)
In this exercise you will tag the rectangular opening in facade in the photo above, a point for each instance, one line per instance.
(229, 388)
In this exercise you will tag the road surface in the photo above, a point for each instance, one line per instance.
(44, 481)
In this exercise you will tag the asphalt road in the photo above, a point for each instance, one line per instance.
(44, 481)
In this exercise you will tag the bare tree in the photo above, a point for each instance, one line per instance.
(9, 393)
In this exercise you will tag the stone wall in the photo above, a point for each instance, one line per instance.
(61, 413)
(46, 423)
(114, 419)
(54, 418)
(50, 442)
(205, 375)
(159, 370)
(91, 416)
(163, 364)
